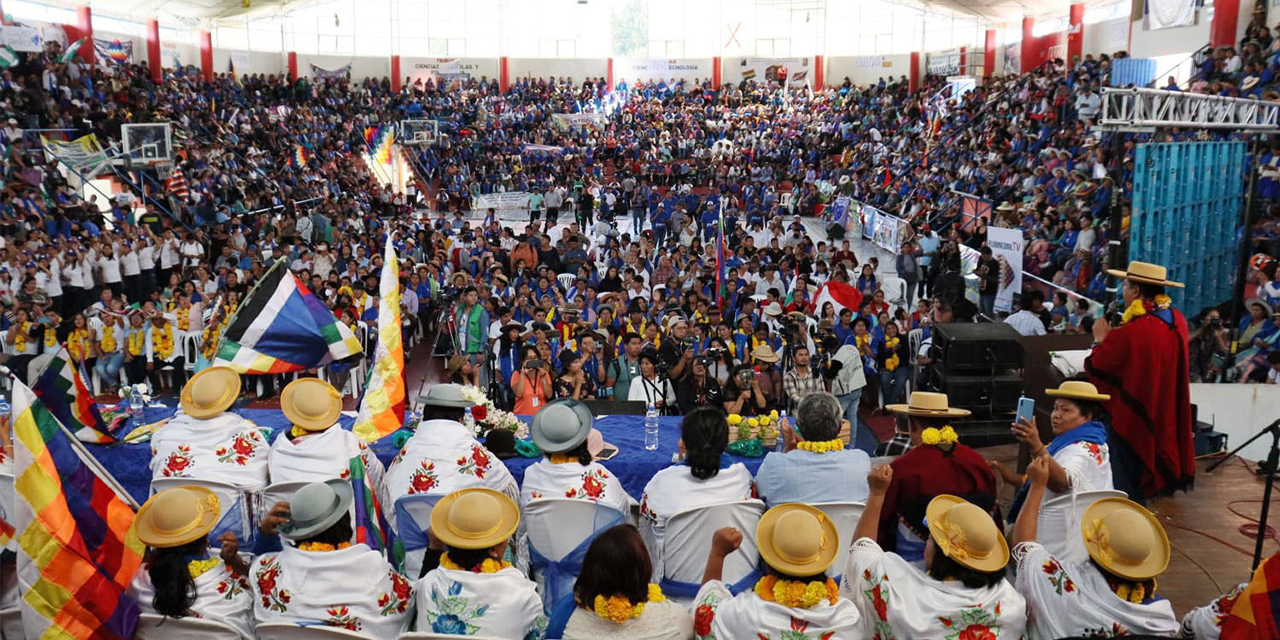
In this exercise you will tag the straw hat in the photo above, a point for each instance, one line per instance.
(966, 534)
(773, 309)
(311, 403)
(1146, 273)
(797, 539)
(210, 392)
(764, 353)
(561, 425)
(1125, 539)
(177, 516)
(1078, 390)
(316, 507)
(474, 518)
(927, 404)
(1259, 302)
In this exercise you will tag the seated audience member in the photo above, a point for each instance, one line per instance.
(743, 394)
(936, 464)
(324, 578)
(816, 466)
(532, 384)
(702, 480)
(797, 545)
(651, 388)
(316, 448)
(177, 578)
(962, 586)
(473, 591)
(562, 430)
(1114, 592)
(1078, 456)
(574, 382)
(614, 599)
(207, 442)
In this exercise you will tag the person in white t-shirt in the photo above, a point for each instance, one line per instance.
(130, 269)
(147, 265)
(169, 255)
(109, 265)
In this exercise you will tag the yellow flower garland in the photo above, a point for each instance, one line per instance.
(863, 341)
(795, 594)
(618, 609)
(821, 446)
(184, 318)
(198, 568)
(77, 344)
(162, 341)
(1139, 307)
(1135, 593)
(50, 337)
(488, 566)
(891, 363)
(20, 338)
(322, 546)
(561, 458)
(946, 435)
(137, 342)
(109, 339)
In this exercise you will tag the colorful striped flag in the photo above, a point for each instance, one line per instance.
(282, 327)
(77, 551)
(62, 390)
(177, 183)
(382, 408)
(372, 527)
(300, 157)
(720, 259)
(1256, 611)
(378, 139)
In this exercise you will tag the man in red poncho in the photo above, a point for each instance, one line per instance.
(1144, 366)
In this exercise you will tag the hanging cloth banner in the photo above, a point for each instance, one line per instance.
(113, 52)
(83, 154)
(331, 74)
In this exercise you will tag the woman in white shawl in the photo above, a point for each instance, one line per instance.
(562, 429)
(178, 579)
(1111, 594)
(961, 593)
(795, 598)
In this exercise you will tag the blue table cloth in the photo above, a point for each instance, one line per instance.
(634, 465)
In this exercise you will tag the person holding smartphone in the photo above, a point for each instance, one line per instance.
(532, 383)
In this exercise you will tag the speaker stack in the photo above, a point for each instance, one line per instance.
(979, 367)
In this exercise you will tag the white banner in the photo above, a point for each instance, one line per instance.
(1162, 14)
(240, 62)
(83, 154)
(793, 71)
(1006, 246)
(452, 67)
(501, 201)
(946, 63)
(630, 70)
(872, 61)
(170, 55)
(21, 38)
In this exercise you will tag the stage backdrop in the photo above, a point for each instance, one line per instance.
(1187, 198)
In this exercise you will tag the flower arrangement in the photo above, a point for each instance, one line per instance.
(946, 435)
(126, 391)
(764, 428)
(488, 417)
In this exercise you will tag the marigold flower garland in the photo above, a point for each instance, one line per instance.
(198, 568)
(20, 338)
(109, 339)
(561, 458)
(137, 341)
(77, 344)
(50, 338)
(821, 446)
(488, 566)
(795, 594)
(322, 546)
(891, 363)
(945, 435)
(1142, 307)
(1134, 592)
(619, 609)
(162, 340)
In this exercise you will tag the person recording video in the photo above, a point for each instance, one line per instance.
(703, 389)
(743, 394)
(532, 383)
(653, 388)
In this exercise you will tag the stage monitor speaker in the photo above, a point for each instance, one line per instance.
(983, 393)
(977, 347)
(617, 408)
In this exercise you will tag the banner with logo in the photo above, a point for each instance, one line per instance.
(331, 74)
(501, 201)
(83, 154)
(1006, 247)
(794, 72)
(649, 70)
(567, 121)
(170, 55)
(872, 61)
(19, 38)
(946, 63)
(113, 52)
(1162, 14)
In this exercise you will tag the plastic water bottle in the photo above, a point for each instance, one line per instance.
(781, 444)
(135, 404)
(469, 420)
(651, 428)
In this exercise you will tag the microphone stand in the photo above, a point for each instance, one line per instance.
(1273, 458)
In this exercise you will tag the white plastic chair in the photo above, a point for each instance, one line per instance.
(230, 498)
(422, 635)
(556, 528)
(191, 350)
(845, 515)
(157, 627)
(566, 280)
(914, 338)
(1058, 527)
(413, 519)
(688, 539)
(286, 631)
(11, 624)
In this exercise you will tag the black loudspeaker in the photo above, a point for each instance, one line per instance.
(617, 408)
(982, 393)
(985, 347)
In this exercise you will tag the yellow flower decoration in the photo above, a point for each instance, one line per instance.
(765, 421)
(619, 609)
(945, 435)
(322, 546)
(753, 422)
(198, 568)
(774, 414)
(561, 458)
(734, 419)
(795, 594)
(891, 363)
(1139, 307)
(821, 446)
(488, 566)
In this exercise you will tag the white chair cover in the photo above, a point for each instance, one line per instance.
(157, 627)
(688, 541)
(286, 631)
(413, 519)
(1058, 527)
(235, 509)
(845, 515)
(559, 531)
(566, 280)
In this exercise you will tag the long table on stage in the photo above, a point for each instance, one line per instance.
(634, 465)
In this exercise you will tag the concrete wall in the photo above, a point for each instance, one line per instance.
(577, 69)
(1106, 37)
(428, 68)
(689, 69)
(1239, 410)
(259, 62)
(864, 70)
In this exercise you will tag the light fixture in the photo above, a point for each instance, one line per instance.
(336, 22)
(582, 1)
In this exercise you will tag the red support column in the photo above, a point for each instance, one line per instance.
(84, 20)
(964, 61)
(1226, 20)
(715, 72)
(293, 66)
(153, 51)
(1030, 56)
(989, 54)
(609, 79)
(1075, 34)
(396, 81)
(914, 77)
(819, 73)
(206, 55)
(504, 73)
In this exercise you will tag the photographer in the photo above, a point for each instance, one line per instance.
(702, 390)
(1210, 346)
(677, 350)
(651, 387)
(625, 368)
(473, 330)
(532, 383)
(801, 380)
(743, 394)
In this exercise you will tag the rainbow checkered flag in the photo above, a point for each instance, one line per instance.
(382, 407)
(64, 393)
(378, 140)
(77, 551)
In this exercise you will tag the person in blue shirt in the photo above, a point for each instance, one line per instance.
(816, 466)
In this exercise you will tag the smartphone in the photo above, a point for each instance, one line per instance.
(606, 453)
(1026, 410)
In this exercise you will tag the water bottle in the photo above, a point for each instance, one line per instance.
(781, 445)
(135, 404)
(651, 428)
(469, 421)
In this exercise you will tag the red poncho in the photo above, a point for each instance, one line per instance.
(1144, 367)
(927, 471)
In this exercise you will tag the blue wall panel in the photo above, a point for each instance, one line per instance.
(1187, 198)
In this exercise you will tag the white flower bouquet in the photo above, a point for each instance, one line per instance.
(487, 416)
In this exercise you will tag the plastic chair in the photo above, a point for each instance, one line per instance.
(287, 631)
(688, 537)
(566, 280)
(277, 492)
(11, 624)
(845, 515)
(914, 338)
(234, 516)
(422, 635)
(191, 350)
(413, 519)
(1058, 527)
(157, 627)
(559, 531)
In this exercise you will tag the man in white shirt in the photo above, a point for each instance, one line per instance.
(1027, 321)
(1087, 104)
(131, 270)
(109, 265)
(770, 280)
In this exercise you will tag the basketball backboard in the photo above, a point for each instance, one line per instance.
(418, 132)
(148, 142)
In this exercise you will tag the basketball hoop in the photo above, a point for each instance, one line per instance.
(417, 133)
